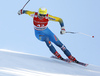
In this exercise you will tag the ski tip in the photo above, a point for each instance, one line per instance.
(86, 64)
(92, 36)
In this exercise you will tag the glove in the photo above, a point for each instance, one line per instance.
(20, 12)
(63, 31)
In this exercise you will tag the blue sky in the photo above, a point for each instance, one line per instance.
(17, 33)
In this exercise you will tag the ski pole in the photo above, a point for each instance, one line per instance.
(25, 4)
(80, 33)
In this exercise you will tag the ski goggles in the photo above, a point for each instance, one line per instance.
(42, 14)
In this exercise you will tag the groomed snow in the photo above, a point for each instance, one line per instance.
(14, 63)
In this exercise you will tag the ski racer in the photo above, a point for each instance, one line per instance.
(43, 33)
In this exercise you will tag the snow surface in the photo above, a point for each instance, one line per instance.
(14, 63)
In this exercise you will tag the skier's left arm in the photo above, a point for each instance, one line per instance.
(57, 19)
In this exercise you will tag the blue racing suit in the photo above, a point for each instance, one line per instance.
(43, 33)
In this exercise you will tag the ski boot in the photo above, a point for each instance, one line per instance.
(58, 56)
(73, 59)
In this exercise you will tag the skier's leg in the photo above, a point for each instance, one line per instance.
(52, 49)
(43, 37)
(56, 41)
(63, 48)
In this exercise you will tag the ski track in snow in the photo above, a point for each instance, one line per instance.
(14, 63)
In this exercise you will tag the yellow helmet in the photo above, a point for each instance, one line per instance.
(42, 10)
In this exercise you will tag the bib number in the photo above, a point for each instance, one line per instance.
(40, 25)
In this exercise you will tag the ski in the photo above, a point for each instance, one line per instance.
(66, 60)
(81, 63)
(69, 61)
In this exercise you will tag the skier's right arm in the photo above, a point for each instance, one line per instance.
(30, 13)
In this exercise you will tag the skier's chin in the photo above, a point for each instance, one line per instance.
(41, 17)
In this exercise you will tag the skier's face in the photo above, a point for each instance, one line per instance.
(41, 16)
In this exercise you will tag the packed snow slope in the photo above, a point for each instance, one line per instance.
(22, 64)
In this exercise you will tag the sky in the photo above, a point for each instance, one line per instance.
(17, 32)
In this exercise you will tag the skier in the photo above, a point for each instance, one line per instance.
(43, 33)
